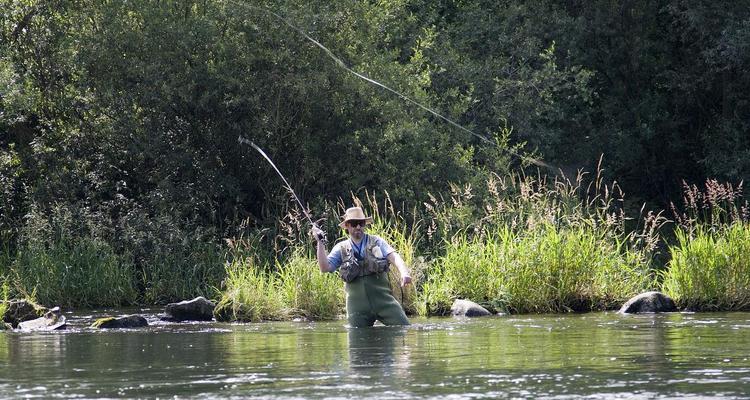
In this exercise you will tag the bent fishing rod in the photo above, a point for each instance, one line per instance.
(288, 187)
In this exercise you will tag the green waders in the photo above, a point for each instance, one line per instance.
(369, 298)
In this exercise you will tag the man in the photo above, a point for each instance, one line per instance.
(362, 262)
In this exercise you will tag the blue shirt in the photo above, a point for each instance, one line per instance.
(334, 257)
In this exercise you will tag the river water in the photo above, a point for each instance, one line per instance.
(595, 355)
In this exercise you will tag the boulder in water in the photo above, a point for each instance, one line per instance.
(466, 308)
(649, 302)
(128, 321)
(198, 309)
(22, 310)
(52, 320)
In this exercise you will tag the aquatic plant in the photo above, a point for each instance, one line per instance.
(189, 269)
(308, 292)
(546, 270)
(4, 303)
(529, 245)
(74, 272)
(710, 269)
(251, 294)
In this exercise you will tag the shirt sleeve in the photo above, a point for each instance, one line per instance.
(334, 257)
(385, 248)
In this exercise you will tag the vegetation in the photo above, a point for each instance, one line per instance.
(709, 269)
(122, 181)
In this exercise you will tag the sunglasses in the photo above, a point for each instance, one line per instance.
(356, 223)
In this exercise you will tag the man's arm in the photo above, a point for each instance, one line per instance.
(396, 260)
(320, 251)
(322, 256)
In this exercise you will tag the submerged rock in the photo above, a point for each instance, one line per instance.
(466, 308)
(649, 302)
(52, 320)
(21, 311)
(198, 309)
(128, 321)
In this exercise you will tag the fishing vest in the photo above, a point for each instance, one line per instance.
(374, 261)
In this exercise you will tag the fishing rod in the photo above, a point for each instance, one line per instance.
(242, 140)
(341, 63)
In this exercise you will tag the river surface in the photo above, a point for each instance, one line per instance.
(595, 355)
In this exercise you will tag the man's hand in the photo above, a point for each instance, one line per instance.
(405, 280)
(317, 233)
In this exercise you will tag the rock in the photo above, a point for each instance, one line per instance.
(128, 321)
(649, 302)
(466, 308)
(22, 310)
(52, 320)
(198, 309)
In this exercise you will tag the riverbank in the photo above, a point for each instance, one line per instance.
(549, 248)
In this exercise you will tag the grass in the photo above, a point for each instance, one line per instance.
(710, 270)
(185, 271)
(544, 271)
(251, 294)
(69, 272)
(4, 302)
(306, 291)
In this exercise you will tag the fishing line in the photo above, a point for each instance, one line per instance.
(286, 183)
(397, 93)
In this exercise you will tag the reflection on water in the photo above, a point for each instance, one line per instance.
(597, 355)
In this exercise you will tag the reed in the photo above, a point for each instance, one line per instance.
(306, 291)
(524, 244)
(182, 271)
(4, 290)
(74, 272)
(543, 271)
(710, 269)
(251, 294)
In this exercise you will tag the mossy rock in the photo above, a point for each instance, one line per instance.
(22, 310)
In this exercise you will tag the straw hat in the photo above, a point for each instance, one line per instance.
(355, 213)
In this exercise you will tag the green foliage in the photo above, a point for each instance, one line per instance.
(710, 269)
(308, 292)
(182, 270)
(545, 270)
(128, 114)
(4, 303)
(59, 266)
(251, 294)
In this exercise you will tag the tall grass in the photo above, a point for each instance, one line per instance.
(185, 270)
(251, 294)
(63, 262)
(711, 270)
(547, 270)
(528, 245)
(308, 292)
(69, 272)
(4, 292)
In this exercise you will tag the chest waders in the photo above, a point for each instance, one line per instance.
(368, 291)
